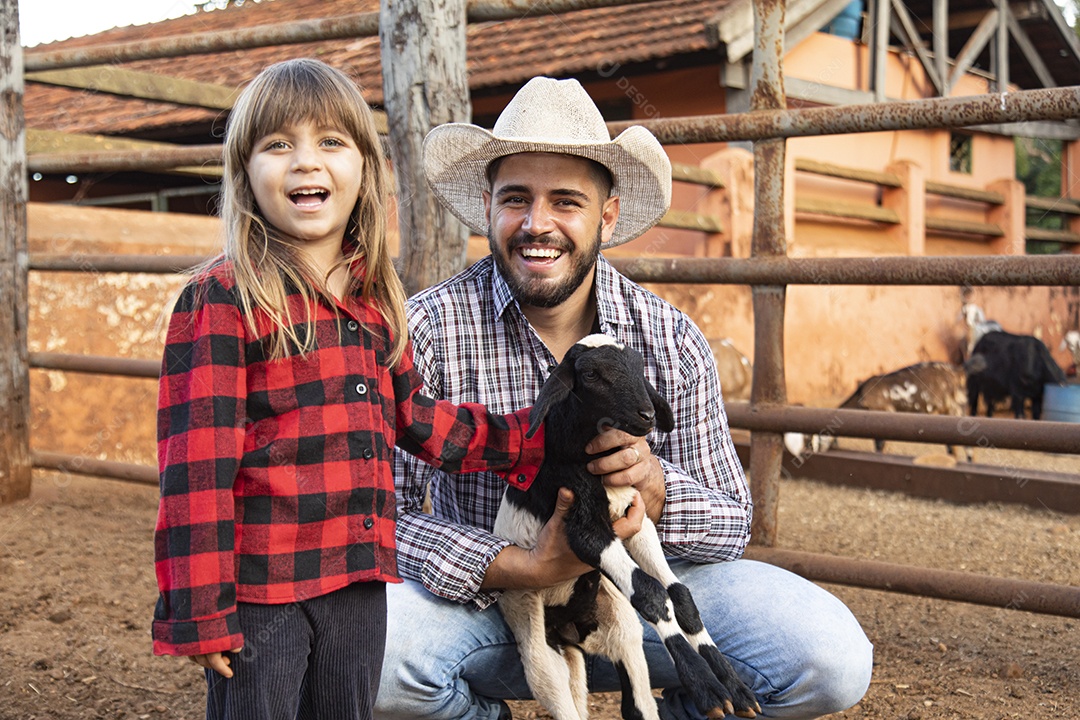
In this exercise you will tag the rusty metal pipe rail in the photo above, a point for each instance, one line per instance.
(95, 364)
(152, 264)
(1006, 593)
(982, 270)
(347, 27)
(1041, 436)
(82, 465)
(933, 113)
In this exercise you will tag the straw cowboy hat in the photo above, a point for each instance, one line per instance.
(553, 116)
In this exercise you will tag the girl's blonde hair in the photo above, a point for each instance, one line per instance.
(267, 267)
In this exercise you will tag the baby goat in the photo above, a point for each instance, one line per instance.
(602, 383)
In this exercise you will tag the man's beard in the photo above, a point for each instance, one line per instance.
(542, 292)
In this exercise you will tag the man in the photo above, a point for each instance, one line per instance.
(551, 190)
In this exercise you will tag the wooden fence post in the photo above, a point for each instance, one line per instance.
(425, 84)
(14, 370)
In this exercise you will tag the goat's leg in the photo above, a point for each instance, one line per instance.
(652, 602)
(579, 679)
(546, 669)
(619, 638)
(645, 548)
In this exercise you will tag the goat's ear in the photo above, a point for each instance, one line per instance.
(555, 390)
(664, 419)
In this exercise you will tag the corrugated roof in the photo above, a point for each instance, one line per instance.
(499, 54)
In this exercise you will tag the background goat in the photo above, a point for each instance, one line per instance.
(1014, 366)
(601, 383)
(929, 388)
(977, 326)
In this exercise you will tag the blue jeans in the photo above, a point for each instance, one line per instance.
(795, 645)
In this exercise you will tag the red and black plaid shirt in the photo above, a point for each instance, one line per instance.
(276, 481)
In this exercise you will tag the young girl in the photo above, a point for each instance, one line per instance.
(286, 382)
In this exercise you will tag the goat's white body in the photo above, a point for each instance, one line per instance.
(557, 677)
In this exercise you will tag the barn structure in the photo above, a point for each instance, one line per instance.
(755, 103)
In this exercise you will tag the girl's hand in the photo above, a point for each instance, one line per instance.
(218, 662)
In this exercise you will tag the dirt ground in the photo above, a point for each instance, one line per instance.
(77, 591)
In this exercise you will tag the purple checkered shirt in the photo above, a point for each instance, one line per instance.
(471, 343)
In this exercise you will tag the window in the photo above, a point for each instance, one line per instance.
(960, 153)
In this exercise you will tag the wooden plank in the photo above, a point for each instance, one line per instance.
(846, 173)
(1067, 206)
(851, 211)
(56, 228)
(115, 80)
(1045, 235)
(915, 42)
(964, 193)
(1031, 54)
(974, 46)
(683, 220)
(681, 172)
(48, 142)
(966, 227)
(426, 84)
(14, 367)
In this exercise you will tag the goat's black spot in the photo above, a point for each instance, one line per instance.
(649, 597)
(571, 623)
(686, 612)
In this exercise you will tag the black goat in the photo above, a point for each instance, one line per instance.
(601, 383)
(1014, 366)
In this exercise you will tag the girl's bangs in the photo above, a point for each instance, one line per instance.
(307, 95)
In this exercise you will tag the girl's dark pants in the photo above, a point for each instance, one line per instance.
(318, 658)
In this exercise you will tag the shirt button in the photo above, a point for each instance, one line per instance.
(361, 389)
(521, 478)
(368, 523)
(353, 325)
(368, 454)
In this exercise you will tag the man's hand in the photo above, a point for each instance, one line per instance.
(218, 662)
(633, 464)
(549, 562)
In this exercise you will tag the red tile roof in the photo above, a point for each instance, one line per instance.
(502, 53)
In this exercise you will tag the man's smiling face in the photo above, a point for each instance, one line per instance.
(548, 215)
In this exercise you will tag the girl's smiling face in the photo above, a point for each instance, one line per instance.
(306, 181)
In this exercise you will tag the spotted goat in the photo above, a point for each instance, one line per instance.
(602, 383)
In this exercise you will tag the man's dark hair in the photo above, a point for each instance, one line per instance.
(599, 174)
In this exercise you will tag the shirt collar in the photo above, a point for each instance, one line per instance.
(610, 302)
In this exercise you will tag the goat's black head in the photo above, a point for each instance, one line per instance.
(600, 383)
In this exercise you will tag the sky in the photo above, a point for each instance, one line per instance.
(42, 21)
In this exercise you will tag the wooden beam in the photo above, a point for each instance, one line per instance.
(1000, 65)
(974, 46)
(1028, 49)
(115, 80)
(49, 142)
(14, 314)
(879, 48)
(681, 172)
(966, 227)
(851, 211)
(914, 41)
(1067, 206)
(683, 220)
(964, 193)
(941, 43)
(845, 173)
(1044, 235)
(425, 84)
